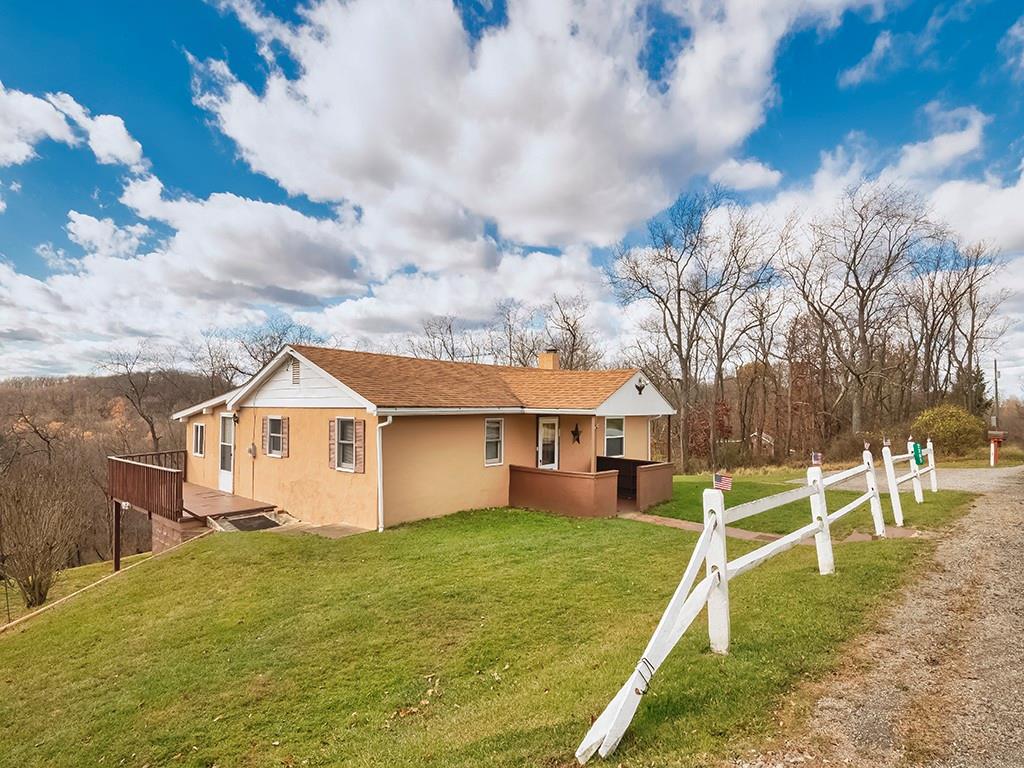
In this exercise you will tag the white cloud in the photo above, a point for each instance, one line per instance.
(1012, 48)
(251, 249)
(107, 135)
(26, 120)
(103, 236)
(958, 137)
(869, 68)
(593, 152)
(745, 175)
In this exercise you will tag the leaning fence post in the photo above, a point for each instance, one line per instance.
(716, 562)
(931, 466)
(894, 489)
(819, 512)
(875, 500)
(916, 473)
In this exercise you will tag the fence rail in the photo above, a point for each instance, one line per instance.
(914, 474)
(691, 595)
(154, 487)
(165, 459)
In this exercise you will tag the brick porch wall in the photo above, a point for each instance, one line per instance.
(167, 533)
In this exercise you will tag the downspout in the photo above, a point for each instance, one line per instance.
(380, 474)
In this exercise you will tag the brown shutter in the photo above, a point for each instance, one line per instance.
(284, 437)
(332, 443)
(266, 435)
(360, 445)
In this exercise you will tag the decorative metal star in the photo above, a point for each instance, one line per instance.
(576, 433)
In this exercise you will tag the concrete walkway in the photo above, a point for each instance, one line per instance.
(330, 531)
(687, 525)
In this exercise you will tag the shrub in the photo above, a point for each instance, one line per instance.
(953, 429)
(39, 525)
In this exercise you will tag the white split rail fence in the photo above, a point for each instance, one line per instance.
(914, 474)
(713, 590)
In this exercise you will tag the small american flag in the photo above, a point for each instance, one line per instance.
(816, 458)
(723, 482)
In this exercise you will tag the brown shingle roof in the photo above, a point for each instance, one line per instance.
(392, 381)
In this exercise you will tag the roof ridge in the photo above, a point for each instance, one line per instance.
(491, 366)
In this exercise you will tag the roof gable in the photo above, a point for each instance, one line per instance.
(392, 381)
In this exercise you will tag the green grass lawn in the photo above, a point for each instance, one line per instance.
(936, 511)
(69, 581)
(484, 638)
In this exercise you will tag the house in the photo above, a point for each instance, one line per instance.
(373, 441)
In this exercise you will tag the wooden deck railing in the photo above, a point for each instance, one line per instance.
(149, 481)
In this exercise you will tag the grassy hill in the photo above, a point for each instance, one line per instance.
(485, 638)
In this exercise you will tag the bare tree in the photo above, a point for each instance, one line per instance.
(568, 332)
(741, 264)
(514, 338)
(849, 277)
(136, 377)
(256, 345)
(975, 325)
(444, 338)
(661, 275)
(213, 357)
(37, 514)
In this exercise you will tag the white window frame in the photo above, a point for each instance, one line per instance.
(338, 465)
(270, 433)
(622, 437)
(501, 443)
(198, 429)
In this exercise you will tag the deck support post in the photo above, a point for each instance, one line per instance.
(116, 511)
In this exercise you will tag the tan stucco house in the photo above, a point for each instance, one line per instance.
(372, 440)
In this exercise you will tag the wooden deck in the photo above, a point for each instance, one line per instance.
(206, 502)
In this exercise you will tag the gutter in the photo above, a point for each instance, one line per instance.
(380, 474)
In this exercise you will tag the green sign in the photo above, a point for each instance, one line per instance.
(917, 454)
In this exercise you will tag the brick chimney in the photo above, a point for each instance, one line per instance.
(548, 359)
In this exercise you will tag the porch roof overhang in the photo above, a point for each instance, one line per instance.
(210, 404)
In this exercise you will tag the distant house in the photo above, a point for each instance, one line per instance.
(372, 441)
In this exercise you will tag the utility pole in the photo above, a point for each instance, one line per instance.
(995, 379)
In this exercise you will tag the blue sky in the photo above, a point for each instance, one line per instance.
(285, 167)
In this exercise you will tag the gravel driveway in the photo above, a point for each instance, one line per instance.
(974, 480)
(941, 681)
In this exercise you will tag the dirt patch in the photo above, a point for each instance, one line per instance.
(941, 681)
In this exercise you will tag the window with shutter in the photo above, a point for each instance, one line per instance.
(275, 436)
(345, 450)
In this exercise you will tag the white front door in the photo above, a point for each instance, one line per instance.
(547, 443)
(227, 453)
